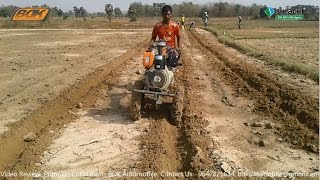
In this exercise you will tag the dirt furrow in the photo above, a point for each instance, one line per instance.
(18, 155)
(161, 150)
(297, 112)
(193, 123)
(176, 141)
(161, 143)
(233, 143)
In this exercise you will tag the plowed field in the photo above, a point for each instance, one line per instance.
(71, 90)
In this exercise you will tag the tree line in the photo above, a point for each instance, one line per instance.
(189, 9)
(220, 9)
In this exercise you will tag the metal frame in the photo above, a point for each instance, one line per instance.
(154, 92)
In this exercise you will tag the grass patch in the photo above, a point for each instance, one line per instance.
(231, 43)
(230, 23)
(286, 63)
(299, 68)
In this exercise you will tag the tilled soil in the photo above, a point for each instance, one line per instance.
(36, 65)
(297, 111)
(83, 72)
(229, 118)
(245, 138)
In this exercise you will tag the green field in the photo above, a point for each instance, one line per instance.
(292, 45)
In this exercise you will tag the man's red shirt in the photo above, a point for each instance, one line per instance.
(167, 32)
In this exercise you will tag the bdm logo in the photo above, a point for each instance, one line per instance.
(30, 14)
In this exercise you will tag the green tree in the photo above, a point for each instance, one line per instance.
(132, 14)
(7, 11)
(45, 6)
(188, 9)
(254, 10)
(262, 13)
(76, 11)
(221, 9)
(117, 12)
(82, 12)
(148, 10)
(109, 11)
(138, 8)
(56, 12)
(237, 9)
(101, 14)
(60, 13)
(157, 8)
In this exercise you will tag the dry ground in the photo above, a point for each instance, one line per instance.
(302, 51)
(72, 88)
(36, 67)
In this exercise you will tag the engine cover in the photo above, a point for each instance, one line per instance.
(159, 78)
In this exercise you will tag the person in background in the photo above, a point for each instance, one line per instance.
(205, 18)
(192, 25)
(182, 21)
(239, 22)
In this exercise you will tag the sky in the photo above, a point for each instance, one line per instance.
(98, 5)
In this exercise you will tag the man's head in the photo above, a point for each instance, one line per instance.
(166, 13)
